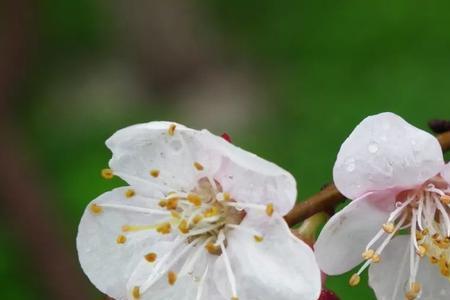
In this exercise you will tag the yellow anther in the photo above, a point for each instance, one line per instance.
(183, 226)
(162, 203)
(226, 196)
(130, 193)
(95, 209)
(434, 259)
(234, 298)
(258, 238)
(164, 228)
(354, 280)
(414, 291)
(171, 277)
(419, 235)
(154, 173)
(376, 258)
(175, 214)
(213, 249)
(195, 199)
(422, 250)
(388, 227)
(129, 228)
(151, 257)
(197, 219)
(172, 203)
(445, 199)
(269, 209)
(121, 239)
(136, 292)
(107, 173)
(368, 254)
(211, 212)
(198, 166)
(171, 130)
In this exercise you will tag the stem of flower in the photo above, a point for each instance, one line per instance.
(328, 198)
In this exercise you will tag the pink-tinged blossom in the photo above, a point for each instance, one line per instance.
(398, 223)
(201, 219)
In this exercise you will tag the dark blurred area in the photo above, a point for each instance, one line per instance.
(287, 80)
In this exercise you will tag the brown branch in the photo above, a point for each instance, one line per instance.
(328, 198)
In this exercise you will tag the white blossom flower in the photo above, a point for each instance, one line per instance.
(398, 222)
(200, 219)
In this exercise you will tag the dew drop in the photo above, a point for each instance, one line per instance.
(373, 148)
(350, 165)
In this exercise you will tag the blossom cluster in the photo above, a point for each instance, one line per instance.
(202, 219)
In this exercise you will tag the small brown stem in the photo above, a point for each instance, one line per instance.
(328, 198)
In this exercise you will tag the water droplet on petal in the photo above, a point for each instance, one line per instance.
(350, 165)
(373, 147)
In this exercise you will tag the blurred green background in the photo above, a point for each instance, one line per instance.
(287, 80)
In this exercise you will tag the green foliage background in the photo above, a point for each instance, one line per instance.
(325, 66)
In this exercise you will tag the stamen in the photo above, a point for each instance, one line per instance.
(95, 209)
(164, 228)
(175, 214)
(197, 219)
(121, 239)
(201, 284)
(154, 173)
(212, 249)
(354, 280)
(134, 228)
(171, 130)
(269, 209)
(183, 226)
(137, 209)
(172, 203)
(230, 274)
(190, 262)
(161, 264)
(195, 199)
(171, 277)
(388, 227)
(130, 193)
(258, 237)
(368, 254)
(445, 199)
(445, 216)
(107, 173)
(162, 203)
(414, 291)
(136, 292)
(198, 166)
(151, 257)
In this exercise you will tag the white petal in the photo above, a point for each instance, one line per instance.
(345, 236)
(279, 267)
(141, 148)
(389, 278)
(384, 151)
(445, 173)
(108, 264)
(250, 178)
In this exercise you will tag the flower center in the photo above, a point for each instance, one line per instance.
(425, 212)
